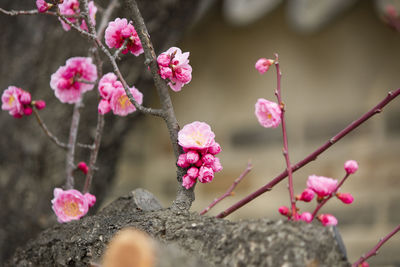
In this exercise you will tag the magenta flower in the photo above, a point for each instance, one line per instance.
(174, 66)
(327, 219)
(16, 101)
(192, 157)
(196, 135)
(39, 104)
(351, 166)
(104, 106)
(216, 166)
(346, 198)
(193, 172)
(69, 205)
(107, 84)
(268, 113)
(118, 31)
(206, 174)
(83, 167)
(182, 161)
(284, 210)
(321, 185)
(120, 103)
(43, 6)
(71, 8)
(208, 159)
(188, 181)
(306, 216)
(263, 64)
(307, 195)
(66, 80)
(215, 149)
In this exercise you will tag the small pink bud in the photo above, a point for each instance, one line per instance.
(90, 199)
(40, 104)
(364, 264)
(187, 181)
(182, 161)
(192, 157)
(306, 216)
(284, 211)
(346, 198)
(208, 159)
(163, 60)
(351, 166)
(307, 195)
(206, 174)
(215, 149)
(263, 64)
(327, 219)
(216, 166)
(28, 110)
(25, 98)
(42, 6)
(83, 167)
(17, 115)
(193, 172)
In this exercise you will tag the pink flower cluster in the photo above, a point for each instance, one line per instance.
(120, 31)
(263, 64)
(69, 82)
(43, 6)
(71, 204)
(70, 8)
(324, 188)
(197, 140)
(16, 101)
(113, 96)
(268, 113)
(174, 66)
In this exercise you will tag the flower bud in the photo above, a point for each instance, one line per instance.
(83, 167)
(327, 219)
(28, 110)
(182, 161)
(346, 198)
(208, 159)
(40, 104)
(284, 211)
(25, 98)
(263, 64)
(192, 157)
(90, 199)
(351, 166)
(307, 195)
(193, 172)
(306, 216)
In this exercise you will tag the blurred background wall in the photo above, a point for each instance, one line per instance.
(335, 68)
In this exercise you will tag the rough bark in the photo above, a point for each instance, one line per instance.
(217, 242)
(31, 49)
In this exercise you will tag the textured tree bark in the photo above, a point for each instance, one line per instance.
(31, 49)
(215, 242)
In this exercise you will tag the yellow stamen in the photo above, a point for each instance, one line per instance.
(124, 101)
(71, 209)
(11, 100)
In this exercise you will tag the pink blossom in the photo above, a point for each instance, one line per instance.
(346, 198)
(27, 110)
(215, 149)
(11, 101)
(43, 6)
(306, 216)
(216, 166)
(83, 167)
(104, 107)
(307, 195)
(120, 103)
(25, 98)
(182, 161)
(192, 157)
(70, 8)
(263, 64)
(118, 31)
(351, 166)
(268, 113)
(284, 210)
(69, 205)
(187, 181)
(90, 199)
(364, 264)
(40, 104)
(107, 84)
(321, 185)
(65, 82)
(174, 65)
(196, 135)
(208, 159)
(193, 172)
(206, 174)
(327, 219)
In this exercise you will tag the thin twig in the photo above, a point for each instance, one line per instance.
(375, 249)
(278, 94)
(73, 133)
(47, 132)
(116, 53)
(34, 12)
(375, 110)
(87, 146)
(322, 203)
(230, 189)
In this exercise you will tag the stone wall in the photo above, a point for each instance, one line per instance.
(329, 79)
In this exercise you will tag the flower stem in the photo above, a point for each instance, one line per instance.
(229, 191)
(375, 110)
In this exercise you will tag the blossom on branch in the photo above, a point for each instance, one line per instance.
(322, 186)
(263, 64)
(120, 31)
(196, 135)
(174, 66)
(327, 219)
(70, 8)
(16, 101)
(43, 6)
(350, 166)
(69, 205)
(268, 113)
(69, 82)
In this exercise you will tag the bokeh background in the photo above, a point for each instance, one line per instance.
(338, 57)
